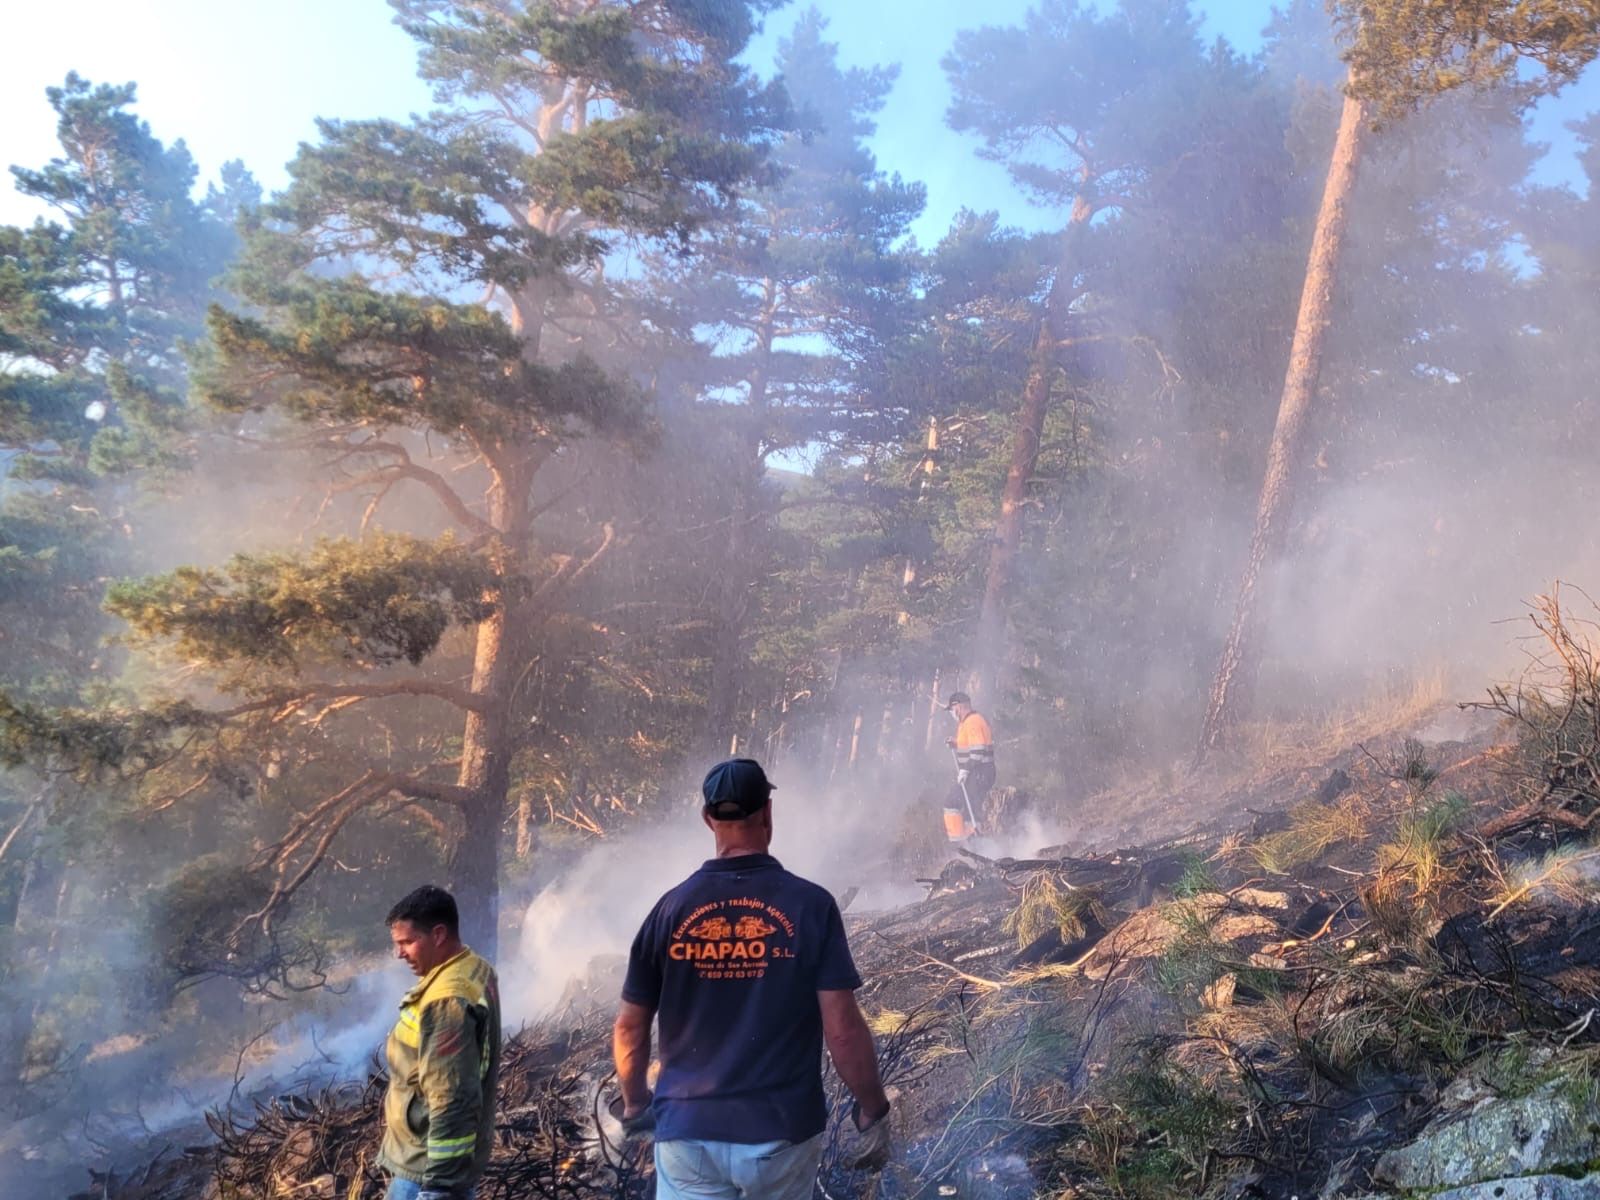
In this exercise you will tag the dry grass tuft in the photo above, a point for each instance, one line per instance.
(886, 1022)
(1313, 830)
(1415, 1018)
(1412, 869)
(1365, 720)
(1048, 904)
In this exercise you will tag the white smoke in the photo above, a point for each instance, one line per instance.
(839, 836)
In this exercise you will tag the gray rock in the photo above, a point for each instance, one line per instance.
(1528, 1187)
(1495, 1141)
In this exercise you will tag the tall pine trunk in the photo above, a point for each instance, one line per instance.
(1230, 687)
(486, 775)
(486, 742)
(1026, 439)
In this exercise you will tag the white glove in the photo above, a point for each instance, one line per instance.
(866, 1149)
(961, 775)
(430, 1194)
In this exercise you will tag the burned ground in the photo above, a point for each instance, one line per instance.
(1259, 1008)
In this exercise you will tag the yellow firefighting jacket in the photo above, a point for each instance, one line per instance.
(444, 1060)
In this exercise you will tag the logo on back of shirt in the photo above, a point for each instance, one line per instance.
(715, 930)
(724, 944)
(753, 927)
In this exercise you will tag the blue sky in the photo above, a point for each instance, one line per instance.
(246, 79)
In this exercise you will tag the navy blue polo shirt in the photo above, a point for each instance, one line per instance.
(731, 960)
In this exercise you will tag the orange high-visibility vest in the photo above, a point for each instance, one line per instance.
(974, 742)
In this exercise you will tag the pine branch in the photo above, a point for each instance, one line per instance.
(290, 699)
(27, 815)
(326, 820)
(408, 468)
(566, 574)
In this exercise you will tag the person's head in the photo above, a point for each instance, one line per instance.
(738, 806)
(425, 928)
(960, 704)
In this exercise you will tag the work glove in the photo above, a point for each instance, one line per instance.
(635, 1127)
(961, 775)
(433, 1194)
(866, 1149)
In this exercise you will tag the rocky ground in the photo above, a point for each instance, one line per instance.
(1368, 974)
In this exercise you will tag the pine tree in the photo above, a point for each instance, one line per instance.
(96, 300)
(430, 307)
(805, 291)
(1091, 114)
(1402, 54)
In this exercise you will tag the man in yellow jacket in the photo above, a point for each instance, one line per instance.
(974, 746)
(444, 1057)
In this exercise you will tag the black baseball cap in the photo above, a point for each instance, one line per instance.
(736, 789)
(957, 698)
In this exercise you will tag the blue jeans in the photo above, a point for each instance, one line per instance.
(404, 1189)
(693, 1170)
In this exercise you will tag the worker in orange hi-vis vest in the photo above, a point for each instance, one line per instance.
(974, 747)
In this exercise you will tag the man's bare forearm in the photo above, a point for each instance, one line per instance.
(853, 1054)
(630, 1049)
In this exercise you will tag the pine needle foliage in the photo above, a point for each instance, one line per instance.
(1185, 1116)
(1048, 904)
(1197, 879)
(1405, 52)
(382, 600)
(1412, 869)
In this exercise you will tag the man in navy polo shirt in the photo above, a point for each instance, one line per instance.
(747, 968)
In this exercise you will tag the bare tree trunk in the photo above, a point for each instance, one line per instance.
(20, 972)
(1235, 669)
(524, 825)
(486, 743)
(933, 712)
(719, 730)
(926, 468)
(486, 773)
(27, 815)
(1027, 435)
(884, 746)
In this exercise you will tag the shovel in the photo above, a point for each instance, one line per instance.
(962, 783)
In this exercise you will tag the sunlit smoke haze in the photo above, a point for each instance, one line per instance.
(840, 836)
(715, 540)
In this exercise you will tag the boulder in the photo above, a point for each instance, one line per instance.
(1148, 933)
(1497, 1140)
(1527, 1187)
(1235, 927)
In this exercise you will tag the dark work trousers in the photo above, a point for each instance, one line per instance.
(979, 780)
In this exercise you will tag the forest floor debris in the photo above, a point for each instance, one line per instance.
(1277, 1004)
